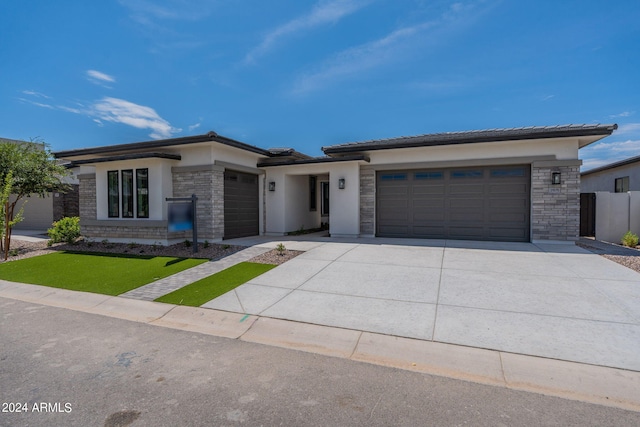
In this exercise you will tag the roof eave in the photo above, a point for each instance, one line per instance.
(413, 142)
(145, 145)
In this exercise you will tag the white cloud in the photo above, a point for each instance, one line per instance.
(139, 116)
(388, 49)
(606, 152)
(37, 104)
(324, 12)
(119, 111)
(358, 59)
(623, 114)
(194, 127)
(97, 76)
(36, 94)
(628, 128)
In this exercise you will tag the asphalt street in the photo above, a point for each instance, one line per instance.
(63, 367)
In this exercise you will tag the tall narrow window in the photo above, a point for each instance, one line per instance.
(142, 190)
(324, 189)
(313, 194)
(127, 193)
(113, 194)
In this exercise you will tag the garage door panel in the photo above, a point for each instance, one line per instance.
(505, 217)
(420, 204)
(470, 233)
(428, 190)
(505, 188)
(508, 234)
(430, 232)
(241, 206)
(430, 216)
(489, 203)
(459, 203)
(466, 188)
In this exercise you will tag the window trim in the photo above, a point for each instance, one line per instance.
(130, 197)
(324, 198)
(138, 193)
(115, 173)
(624, 181)
(313, 193)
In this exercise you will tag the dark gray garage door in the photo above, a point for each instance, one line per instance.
(485, 203)
(240, 204)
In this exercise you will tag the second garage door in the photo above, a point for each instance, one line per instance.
(241, 211)
(485, 203)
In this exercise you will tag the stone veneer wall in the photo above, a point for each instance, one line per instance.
(206, 182)
(87, 193)
(555, 210)
(67, 204)
(367, 201)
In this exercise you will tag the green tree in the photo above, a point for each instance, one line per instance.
(26, 169)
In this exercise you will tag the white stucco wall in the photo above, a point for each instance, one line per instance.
(37, 214)
(561, 149)
(617, 213)
(160, 186)
(288, 205)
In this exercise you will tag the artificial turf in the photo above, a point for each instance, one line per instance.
(109, 274)
(206, 289)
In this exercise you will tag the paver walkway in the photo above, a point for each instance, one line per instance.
(169, 284)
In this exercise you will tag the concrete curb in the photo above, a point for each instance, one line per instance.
(569, 380)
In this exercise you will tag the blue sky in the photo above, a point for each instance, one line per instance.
(304, 74)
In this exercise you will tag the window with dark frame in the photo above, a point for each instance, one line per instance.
(142, 193)
(622, 184)
(113, 196)
(324, 204)
(127, 193)
(313, 193)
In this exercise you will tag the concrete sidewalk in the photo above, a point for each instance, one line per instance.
(595, 384)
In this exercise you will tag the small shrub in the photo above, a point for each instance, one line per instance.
(280, 248)
(13, 252)
(66, 230)
(225, 247)
(205, 244)
(49, 243)
(187, 244)
(629, 239)
(133, 245)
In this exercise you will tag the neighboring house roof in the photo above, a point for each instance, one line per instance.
(137, 146)
(614, 165)
(476, 136)
(284, 162)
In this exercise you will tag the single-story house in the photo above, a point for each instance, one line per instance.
(618, 177)
(518, 184)
(40, 212)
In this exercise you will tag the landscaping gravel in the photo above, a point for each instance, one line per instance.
(23, 249)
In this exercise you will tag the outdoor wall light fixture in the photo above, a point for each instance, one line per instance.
(272, 186)
(555, 178)
(341, 183)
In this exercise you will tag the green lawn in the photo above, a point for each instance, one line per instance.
(108, 274)
(213, 286)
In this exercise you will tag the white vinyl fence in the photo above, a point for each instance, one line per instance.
(617, 213)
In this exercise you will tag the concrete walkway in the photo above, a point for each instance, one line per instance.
(169, 284)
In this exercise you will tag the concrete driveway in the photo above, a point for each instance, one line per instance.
(555, 301)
